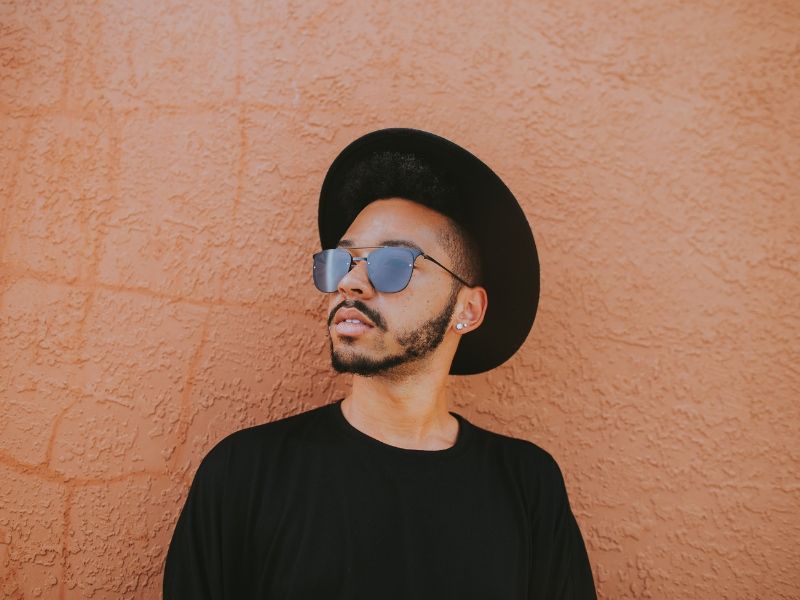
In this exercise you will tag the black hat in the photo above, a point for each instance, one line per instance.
(488, 210)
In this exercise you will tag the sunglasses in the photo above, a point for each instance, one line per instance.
(389, 268)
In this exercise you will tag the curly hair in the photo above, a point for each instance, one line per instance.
(405, 175)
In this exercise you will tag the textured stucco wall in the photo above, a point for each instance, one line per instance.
(159, 165)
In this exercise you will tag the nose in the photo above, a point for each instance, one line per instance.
(356, 282)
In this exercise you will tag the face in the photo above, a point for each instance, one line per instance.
(409, 325)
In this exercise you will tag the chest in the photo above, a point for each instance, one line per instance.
(355, 529)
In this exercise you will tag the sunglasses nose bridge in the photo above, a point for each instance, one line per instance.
(354, 260)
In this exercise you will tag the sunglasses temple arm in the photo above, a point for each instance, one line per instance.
(433, 260)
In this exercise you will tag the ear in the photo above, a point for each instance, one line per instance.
(470, 309)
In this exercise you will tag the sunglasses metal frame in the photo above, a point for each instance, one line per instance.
(416, 253)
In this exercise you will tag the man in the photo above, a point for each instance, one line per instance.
(430, 269)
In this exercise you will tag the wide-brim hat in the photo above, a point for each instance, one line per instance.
(490, 212)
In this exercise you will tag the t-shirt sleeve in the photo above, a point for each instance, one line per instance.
(195, 561)
(561, 569)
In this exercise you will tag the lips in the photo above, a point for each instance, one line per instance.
(350, 322)
(351, 314)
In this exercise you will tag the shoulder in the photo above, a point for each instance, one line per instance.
(534, 469)
(527, 454)
(279, 429)
(249, 445)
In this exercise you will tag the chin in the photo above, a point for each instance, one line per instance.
(365, 366)
(349, 362)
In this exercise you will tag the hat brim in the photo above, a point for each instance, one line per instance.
(495, 218)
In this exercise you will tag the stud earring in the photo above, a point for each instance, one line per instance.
(460, 325)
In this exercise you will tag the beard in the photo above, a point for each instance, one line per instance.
(416, 344)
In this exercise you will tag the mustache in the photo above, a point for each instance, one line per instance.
(361, 307)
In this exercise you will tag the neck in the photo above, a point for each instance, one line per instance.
(407, 413)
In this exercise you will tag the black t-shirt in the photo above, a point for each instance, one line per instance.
(309, 507)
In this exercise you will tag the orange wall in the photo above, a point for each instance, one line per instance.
(159, 168)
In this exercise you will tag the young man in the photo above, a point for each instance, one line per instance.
(430, 269)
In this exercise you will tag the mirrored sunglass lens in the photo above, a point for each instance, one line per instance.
(329, 268)
(390, 268)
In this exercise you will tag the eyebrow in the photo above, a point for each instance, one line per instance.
(406, 243)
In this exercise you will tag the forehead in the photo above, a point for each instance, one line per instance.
(395, 219)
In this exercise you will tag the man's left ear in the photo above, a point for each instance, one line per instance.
(471, 309)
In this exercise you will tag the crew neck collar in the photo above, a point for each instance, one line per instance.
(462, 439)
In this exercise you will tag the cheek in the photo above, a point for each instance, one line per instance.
(407, 312)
